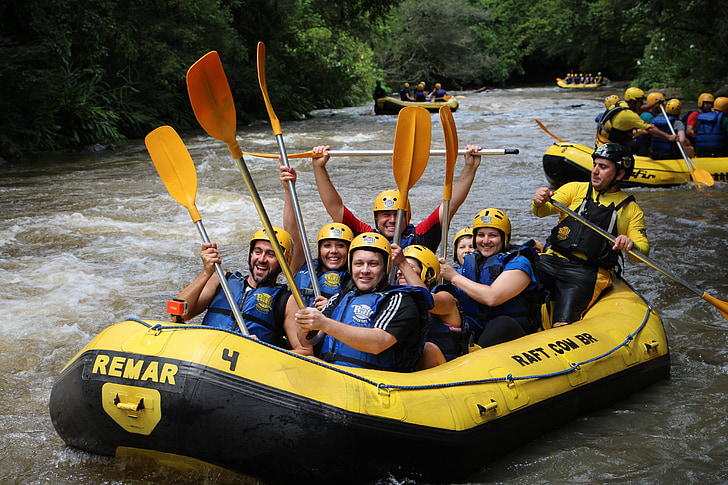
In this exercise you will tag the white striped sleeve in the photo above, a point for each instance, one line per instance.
(387, 313)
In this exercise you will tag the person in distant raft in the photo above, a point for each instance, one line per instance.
(371, 324)
(379, 91)
(578, 262)
(268, 308)
(386, 204)
(330, 267)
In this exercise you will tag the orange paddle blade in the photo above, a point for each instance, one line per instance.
(211, 98)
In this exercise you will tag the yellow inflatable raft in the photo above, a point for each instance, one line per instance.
(568, 162)
(563, 84)
(199, 392)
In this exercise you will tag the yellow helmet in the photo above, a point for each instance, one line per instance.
(438, 85)
(388, 200)
(468, 231)
(673, 107)
(406, 85)
(652, 97)
(496, 219)
(632, 94)
(705, 98)
(372, 241)
(428, 260)
(336, 230)
(611, 100)
(721, 104)
(284, 239)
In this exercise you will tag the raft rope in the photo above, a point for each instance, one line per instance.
(510, 379)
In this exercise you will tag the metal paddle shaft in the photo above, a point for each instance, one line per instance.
(380, 153)
(697, 174)
(284, 158)
(177, 170)
(212, 102)
(720, 305)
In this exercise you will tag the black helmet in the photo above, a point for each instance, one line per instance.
(618, 154)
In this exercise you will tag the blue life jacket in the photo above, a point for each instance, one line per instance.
(329, 282)
(477, 314)
(258, 309)
(709, 136)
(361, 310)
(439, 94)
(660, 148)
(420, 96)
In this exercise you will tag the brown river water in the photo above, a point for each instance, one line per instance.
(91, 239)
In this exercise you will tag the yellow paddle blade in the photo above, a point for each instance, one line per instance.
(411, 148)
(275, 124)
(451, 148)
(702, 177)
(212, 100)
(175, 167)
(722, 306)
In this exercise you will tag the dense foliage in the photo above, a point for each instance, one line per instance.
(77, 72)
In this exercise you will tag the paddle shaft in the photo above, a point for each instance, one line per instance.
(636, 254)
(381, 153)
(269, 229)
(689, 163)
(547, 131)
(224, 284)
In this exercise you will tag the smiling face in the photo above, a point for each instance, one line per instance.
(386, 222)
(488, 241)
(263, 263)
(367, 269)
(604, 172)
(332, 254)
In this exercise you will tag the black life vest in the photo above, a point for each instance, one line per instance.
(615, 136)
(571, 235)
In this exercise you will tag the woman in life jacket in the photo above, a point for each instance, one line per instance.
(333, 248)
(495, 284)
(446, 337)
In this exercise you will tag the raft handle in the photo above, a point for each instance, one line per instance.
(491, 406)
(129, 406)
(381, 386)
(652, 345)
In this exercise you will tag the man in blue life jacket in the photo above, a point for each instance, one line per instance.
(711, 130)
(371, 325)
(578, 262)
(661, 149)
(386, 204)
(705, 105)
(268, 308)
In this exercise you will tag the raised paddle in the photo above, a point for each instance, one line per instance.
(212, 102)
(411, 151)
(177, 171)
(379, 153)
(698, 175)
(547, 131)
(284, 158)
(451, 147)
(722, 306)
